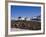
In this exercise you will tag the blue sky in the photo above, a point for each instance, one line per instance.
(28, 11)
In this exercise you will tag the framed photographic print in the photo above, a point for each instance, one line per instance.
(25, 18)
